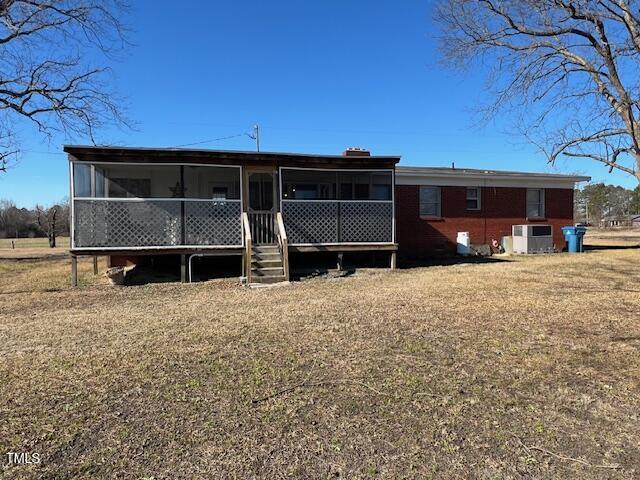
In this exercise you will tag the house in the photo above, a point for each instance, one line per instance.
(613, 221)
(434, 204)
(135, 203)
(132, 203)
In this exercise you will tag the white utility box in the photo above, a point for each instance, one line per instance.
(532, 238)
(463, 243)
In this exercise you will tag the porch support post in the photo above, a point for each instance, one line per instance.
(244, 267)
(184, 276)
(340, 262)
(95, 264)
(393, 260)
(74, 271)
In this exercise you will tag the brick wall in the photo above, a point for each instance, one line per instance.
(500, 209)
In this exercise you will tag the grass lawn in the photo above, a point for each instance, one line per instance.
(521, 368)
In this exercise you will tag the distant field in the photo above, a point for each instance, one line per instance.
(32, 242)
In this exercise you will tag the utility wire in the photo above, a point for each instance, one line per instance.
(212, 140)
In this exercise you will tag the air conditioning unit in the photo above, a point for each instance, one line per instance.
(532, 238)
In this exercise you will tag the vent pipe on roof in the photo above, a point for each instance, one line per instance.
(356, 152)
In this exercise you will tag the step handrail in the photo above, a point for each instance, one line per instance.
(247, 244)
(284, 245)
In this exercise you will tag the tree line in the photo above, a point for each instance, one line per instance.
(40, 221)
(598, 201)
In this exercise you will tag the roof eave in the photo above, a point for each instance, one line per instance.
(127, 151)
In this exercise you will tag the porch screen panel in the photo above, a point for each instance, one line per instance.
(113, 223)
(337, 206)
(366, 222)
(311, 222)
(213, 223)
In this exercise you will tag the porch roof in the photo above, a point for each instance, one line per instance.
(224, 157)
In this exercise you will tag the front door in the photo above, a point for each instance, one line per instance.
(262, 206)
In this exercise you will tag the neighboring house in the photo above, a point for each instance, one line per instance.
(612, 221)
(133, 203)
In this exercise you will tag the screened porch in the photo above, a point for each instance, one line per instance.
(332, 207)
(131, 206)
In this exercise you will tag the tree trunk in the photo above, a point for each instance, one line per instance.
(52, 229)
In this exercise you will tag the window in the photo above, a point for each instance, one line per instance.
(137, 181)
(535, 203)
(354, 185)
(308, 185)
(219, 193)
(336, 185)
(129, 187)
(430, 205)
(212, 183)
(381, 185)
(99, 182)
(473, 198)
(81, 180)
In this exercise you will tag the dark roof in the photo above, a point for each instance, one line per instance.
(116, 154)
(478, 172)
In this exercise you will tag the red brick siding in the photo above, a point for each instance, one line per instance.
(500, 209)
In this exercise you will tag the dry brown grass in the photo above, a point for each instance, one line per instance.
(499, 370)
(613, 237)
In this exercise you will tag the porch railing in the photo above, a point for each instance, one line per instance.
(135, 223)
(283, 243)
(263, 228)
(338, 221)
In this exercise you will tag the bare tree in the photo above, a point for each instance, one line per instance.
(51, 53)
(46, 219)
(569, 68)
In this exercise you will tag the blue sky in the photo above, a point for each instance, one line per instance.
(316, 76)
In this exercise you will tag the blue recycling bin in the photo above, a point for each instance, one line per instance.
(574, 237)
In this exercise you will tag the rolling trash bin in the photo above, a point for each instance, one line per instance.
(574, 237)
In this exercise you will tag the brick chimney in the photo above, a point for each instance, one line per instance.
(356, 152)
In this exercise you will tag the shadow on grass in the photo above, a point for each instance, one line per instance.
(309, 273)
(588, 248)
(443, 261)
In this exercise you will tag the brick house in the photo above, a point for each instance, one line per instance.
(434, 204)
(134, 205)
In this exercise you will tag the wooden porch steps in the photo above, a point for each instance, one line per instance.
(266, 264)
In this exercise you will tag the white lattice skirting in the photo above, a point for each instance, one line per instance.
(338, 222)
(113, 223)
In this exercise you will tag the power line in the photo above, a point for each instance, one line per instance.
(211, 141)
(254, 135)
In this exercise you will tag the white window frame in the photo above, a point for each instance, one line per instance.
(540, 204)
(438, 203)
(477, 198)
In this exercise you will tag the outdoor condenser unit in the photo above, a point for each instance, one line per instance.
(532, 238)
